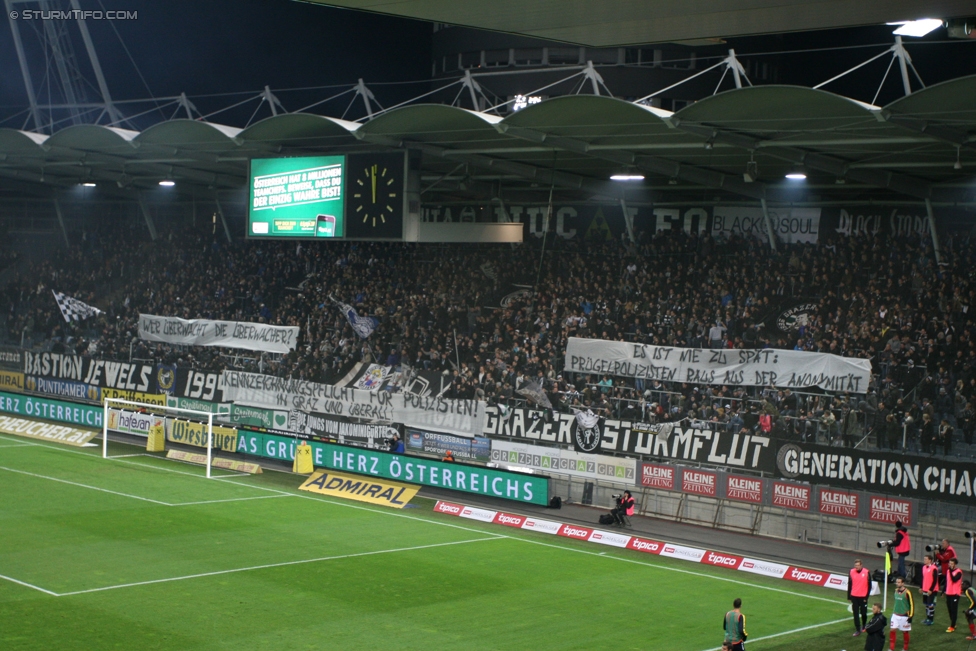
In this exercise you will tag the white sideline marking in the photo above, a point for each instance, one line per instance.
(795, 630)
(678, 569)
(15, 445)
(28, 585)
(145, 499)
(232, 499)
(270, 565)
(435, 522)
(94, 488)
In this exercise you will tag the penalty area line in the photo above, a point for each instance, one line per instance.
(272, 565)
(795, 630)
(29, 585)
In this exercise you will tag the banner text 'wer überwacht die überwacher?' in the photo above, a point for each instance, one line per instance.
(227, 334)
(766, 367)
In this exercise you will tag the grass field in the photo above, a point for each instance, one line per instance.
(145, 553)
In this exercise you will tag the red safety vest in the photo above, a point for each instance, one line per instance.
(905, 546)
(930, 578)
(954, 583)
(860, 585)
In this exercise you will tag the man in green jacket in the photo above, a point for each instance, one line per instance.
(735, 627)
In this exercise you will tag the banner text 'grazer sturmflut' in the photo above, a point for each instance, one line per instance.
(227, 334)
(766, 367)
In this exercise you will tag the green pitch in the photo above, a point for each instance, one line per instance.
(145, 553)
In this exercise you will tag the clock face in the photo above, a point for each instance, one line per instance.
(375, 196)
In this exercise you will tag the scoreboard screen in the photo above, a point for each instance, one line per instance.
(297, 197)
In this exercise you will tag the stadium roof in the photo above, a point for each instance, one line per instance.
(908, 148)
(632, 22)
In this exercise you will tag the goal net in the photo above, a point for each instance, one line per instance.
(127, 422)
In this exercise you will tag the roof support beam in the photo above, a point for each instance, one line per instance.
(523, 170)
(831, 164)
(653, 164)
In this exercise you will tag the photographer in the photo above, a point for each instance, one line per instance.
(902, 545)
(396, 445)
(625, 506)
(943, 554)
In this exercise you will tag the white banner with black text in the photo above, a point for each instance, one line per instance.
(228, 334)
(737, 367)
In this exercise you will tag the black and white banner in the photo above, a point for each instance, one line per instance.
(95, 372)
(907, 475)
(327, 428)
(188, 383)
(663, 441)
(766, 367)
(228, 334)
(460, 417)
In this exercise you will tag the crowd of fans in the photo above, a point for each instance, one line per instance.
(464, 311)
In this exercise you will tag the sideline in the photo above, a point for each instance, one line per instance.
(292, 493)
(795, 630)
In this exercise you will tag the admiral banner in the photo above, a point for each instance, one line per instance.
(85, 370)
(11, 380)
(460, 417)
(895, 474)
(359, 488)
(564, 462)
(766, 367)
(227, 334)
(664, 441)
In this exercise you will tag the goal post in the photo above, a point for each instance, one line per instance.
(162, 411)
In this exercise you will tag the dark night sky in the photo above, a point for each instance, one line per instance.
(228, 46)
(241, 45)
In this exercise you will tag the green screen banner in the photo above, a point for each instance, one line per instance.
(63, 412)
(257, 417)
(198, 405)
(297, 197)
(426, 472)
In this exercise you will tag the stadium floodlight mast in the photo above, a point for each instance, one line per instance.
(203, 415)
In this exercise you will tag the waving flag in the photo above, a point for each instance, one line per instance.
(74, 310)
(362, 325)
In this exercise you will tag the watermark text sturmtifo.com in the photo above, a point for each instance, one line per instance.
(74, 14)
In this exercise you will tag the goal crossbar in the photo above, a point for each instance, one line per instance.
(121, 402)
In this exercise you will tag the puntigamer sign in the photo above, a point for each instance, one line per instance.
(470, 479)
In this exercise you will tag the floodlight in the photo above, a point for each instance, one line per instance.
(88, 185)
(917, 27)
(627, 177)
(167, 184)
(796, 176)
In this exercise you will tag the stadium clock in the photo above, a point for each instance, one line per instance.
(374, 196)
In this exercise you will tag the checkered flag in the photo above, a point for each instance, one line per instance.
(74, 310)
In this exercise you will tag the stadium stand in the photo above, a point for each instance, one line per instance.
(880, 298)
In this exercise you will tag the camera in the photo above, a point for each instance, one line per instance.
(885, 543)
(971, 534)
(937, 547)
(616, 497)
